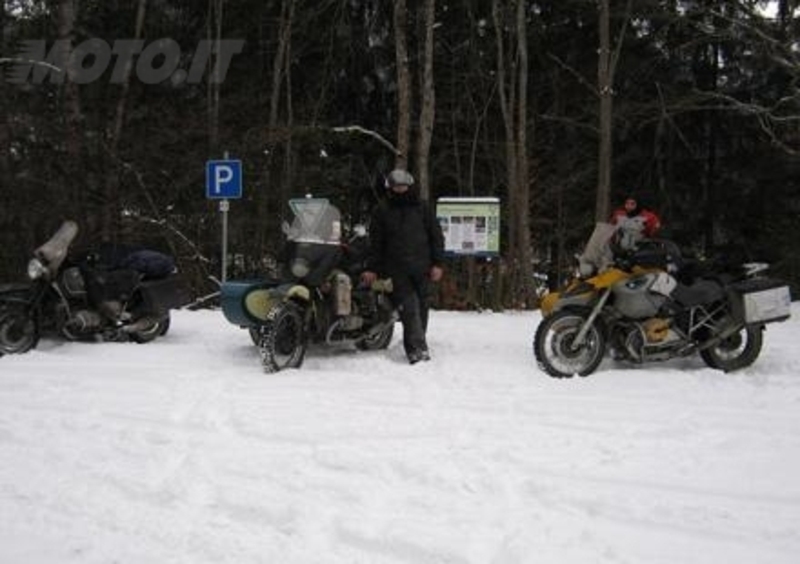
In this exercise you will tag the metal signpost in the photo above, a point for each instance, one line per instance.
(224, 183)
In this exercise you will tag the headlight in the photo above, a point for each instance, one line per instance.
(300, 268)
(36, 269)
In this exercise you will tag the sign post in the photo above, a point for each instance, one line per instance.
(223, 183)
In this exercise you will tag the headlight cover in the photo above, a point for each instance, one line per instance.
(36, 269)
(300, 268)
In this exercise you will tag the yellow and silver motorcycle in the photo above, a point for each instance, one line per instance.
(649, 305)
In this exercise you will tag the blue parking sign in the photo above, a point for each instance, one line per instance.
(224, 179)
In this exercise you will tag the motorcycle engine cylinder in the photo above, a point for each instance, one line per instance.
(656, 329)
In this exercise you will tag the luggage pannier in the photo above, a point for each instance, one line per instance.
(159, 296)
(762, 300)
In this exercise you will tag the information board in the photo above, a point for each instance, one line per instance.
(471, 226)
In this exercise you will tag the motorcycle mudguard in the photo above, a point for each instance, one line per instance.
(247, 303)
(14, 295)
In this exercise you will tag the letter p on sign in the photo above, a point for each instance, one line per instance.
(224, 179)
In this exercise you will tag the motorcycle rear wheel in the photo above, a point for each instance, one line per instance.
(283, 340)
(378, 341)
(552, 346)
(155, 330)
(18, 332)
(738, 351)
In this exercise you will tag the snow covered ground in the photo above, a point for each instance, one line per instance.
(183, 451)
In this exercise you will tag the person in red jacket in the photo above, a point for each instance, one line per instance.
(634, 223)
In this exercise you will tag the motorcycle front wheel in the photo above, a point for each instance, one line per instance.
(18, 332)
(737, 351)
(554, 349)
(282, 340)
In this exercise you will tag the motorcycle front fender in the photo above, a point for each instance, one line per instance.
(20, 295)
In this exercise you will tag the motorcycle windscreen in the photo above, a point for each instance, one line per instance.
(54, 251)
(315, 221)
(597, 255)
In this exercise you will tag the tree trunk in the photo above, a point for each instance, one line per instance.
(525, 285)
(403, 84)
(605, 92)
(71, 196)
(5, 136)
(512, 82)
(280, 71)
(112, 196)
(508, 123)
(428, 96)
(606, 69)
(214, 34)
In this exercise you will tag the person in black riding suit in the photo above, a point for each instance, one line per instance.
(407, 246)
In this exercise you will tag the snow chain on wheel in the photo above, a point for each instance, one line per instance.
(283, 342)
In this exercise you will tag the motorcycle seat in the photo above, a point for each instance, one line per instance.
(697, 293)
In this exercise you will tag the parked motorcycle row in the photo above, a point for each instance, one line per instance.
(636, 307)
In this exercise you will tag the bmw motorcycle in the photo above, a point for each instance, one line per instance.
(649, 305)
(82, 300)
(317, 298)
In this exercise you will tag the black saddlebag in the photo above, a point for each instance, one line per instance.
(761, 300)
(159, 296)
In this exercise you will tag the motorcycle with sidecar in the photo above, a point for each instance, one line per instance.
(317, 298)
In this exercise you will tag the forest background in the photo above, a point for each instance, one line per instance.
(558, 108)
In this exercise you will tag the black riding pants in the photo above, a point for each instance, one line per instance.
(411, 299)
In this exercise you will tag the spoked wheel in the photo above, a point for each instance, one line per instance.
(555, 350)
(736, 351)
(18, 332)
(282, 339)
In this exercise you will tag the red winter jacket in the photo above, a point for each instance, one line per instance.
(651, 222)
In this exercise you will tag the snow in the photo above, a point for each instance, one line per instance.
(184, 451)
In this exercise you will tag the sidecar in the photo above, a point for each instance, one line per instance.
(246, 303)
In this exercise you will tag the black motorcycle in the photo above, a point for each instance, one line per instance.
(87, 300)
(317, 298)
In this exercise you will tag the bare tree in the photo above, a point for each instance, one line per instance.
(73, 116)
(111, 199)
(400, 17)
(280, 77)
(512, 78)
(214, 33)
(606, 69)
(428, 102)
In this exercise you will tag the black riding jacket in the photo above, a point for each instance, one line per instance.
(405, 237)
